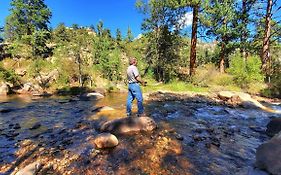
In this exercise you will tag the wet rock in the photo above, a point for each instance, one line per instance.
(106, 140)
(17, 126)
(129, 124)
(257, 129)
(246, 100)
(6, 110)
(198, 138)
(268, 155)
(103, 108)
(62, 101)
(30, 169)
(273, 127)
(95, 95)
(35, 126)
(179, 137)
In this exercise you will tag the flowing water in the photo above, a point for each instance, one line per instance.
(213, 139)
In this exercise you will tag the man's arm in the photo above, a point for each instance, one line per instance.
(139, 79)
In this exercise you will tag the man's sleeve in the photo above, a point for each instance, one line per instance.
(135, 72)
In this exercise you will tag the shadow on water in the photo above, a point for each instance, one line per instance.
(196, 135)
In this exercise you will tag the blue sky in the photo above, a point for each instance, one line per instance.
(114, 13)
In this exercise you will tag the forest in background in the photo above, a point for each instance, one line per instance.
(242, 52)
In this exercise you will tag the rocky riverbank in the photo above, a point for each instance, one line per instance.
(196, 134)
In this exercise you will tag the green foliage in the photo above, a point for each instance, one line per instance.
(28, 24)
(130, 36)
(20, 50)
(174, 86)
(26, 17)
(163, 41)
(8, 76)
(245, 71)
(38, 66)
(276, 79)
(39, 41)
(118, 36)
(60, 34)
(207, 75)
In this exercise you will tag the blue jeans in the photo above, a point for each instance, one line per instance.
(134, 91)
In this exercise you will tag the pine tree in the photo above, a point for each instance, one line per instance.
(118, 35)
(219, 18)
(26, 17)
(28, 23)
(162, 51)
(130, 36)
(1, 34)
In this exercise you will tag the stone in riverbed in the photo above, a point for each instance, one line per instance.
(128, 125)
(30, 169)
(273, 127)
(35, 126)
(268, 155)
(106, 140)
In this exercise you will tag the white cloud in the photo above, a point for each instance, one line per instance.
(186, 20)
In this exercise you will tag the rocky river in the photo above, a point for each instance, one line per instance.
(196, 134)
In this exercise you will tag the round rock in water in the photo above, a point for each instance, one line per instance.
(106, 140)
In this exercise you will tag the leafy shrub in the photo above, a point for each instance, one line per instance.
(9, 76)
(275, 85)
(245, 71)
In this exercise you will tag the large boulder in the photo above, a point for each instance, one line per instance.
(268, 155)
(225, 95)
(30, 169)
(106, 140)
(4, 89)
(245, 100)
(273, 127)
(129, 125)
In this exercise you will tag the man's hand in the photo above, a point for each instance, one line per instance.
(143, 83)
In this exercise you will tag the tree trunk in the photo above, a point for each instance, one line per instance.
(193, 40)
(265, 55)
(222, 57)
(243, 38)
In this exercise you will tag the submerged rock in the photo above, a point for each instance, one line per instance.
(106, 140)
(35, 126)
(129, 124)
(95, 95)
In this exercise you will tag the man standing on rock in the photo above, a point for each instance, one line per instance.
(134, 90)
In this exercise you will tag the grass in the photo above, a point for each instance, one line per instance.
(175, 86)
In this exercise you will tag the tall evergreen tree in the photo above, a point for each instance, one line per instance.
(60, 34)
(100, 28)
(1, 34)
(219, 18)
(244, 20)
(28, 23)
(162, 51)
(130, 36)
(118, 35)
(27, 16)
